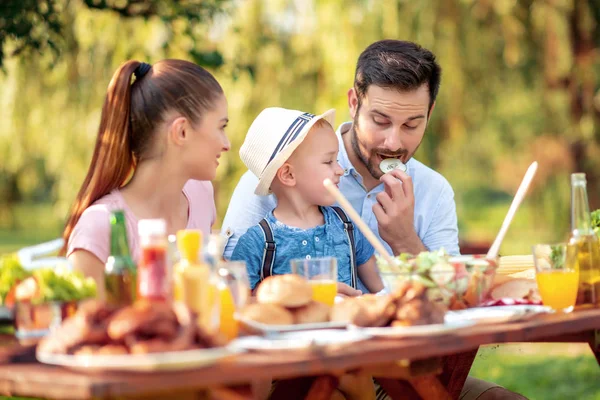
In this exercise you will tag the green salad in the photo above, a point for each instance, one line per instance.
(41, 285)
(596, 221)
(60, 284)
(11, 272)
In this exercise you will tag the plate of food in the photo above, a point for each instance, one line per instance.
(406, 312)
(301, 340)
(142, 337)
(496, 314)
(284, 304)
(38, 299)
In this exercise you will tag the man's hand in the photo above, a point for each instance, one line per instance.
(346, 290)
(395, 210)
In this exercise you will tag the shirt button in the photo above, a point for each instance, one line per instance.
(308, 257)
(304, 243)
(316, 239)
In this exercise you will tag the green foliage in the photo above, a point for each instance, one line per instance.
(596, 221)
(514, 89)
(29, 25)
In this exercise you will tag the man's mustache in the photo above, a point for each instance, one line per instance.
(390, 154)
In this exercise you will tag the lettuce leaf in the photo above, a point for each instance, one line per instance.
(60, 284)
(11, 272)
(596, 221)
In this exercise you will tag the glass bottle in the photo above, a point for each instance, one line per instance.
(584, 244)
(119, 271)
(153, 270)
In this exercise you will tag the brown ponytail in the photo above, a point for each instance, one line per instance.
(129, 117)
(112, 160)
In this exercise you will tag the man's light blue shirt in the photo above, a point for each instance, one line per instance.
(434, 216)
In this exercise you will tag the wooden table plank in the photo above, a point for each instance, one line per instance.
(32, 379)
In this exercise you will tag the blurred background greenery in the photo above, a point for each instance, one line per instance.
(521, 82)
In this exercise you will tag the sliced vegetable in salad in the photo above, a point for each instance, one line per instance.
(42, 285)
(11, 273)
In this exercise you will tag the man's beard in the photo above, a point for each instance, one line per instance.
(369, 159)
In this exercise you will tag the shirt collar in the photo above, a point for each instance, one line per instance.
(343, 159)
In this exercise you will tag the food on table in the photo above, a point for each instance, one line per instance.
(456, 281)
(408, 305)
(11, 273)
(390, 164)
(285, 300)
(313, 312)
(120, 272)
(153, 281)
(518, 288)
(54, 285)
(269, 314)
(285, 290)
(367, 310)
(143, 327)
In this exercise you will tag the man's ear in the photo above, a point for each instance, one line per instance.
(286, 175)
(177, 130)
(352, 102)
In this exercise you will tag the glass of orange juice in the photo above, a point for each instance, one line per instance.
(556, 275)
(234, 291)
(321, 274)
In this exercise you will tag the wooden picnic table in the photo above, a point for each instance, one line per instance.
(426, 367)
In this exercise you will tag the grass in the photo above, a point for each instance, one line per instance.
(525, 369)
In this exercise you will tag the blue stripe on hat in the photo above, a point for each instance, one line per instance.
(292, 133)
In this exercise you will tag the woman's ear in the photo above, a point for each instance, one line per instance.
(286, 175)
(179, 130)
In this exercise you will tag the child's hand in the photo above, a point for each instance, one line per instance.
(346, 290)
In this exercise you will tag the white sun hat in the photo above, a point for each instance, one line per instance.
(272, 138)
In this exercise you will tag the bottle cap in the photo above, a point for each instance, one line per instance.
(188, 243)
(117, 217)
(578, 177)
(151, 227)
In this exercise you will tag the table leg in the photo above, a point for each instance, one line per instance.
(430, 388)
(456, 370)
(323, 388)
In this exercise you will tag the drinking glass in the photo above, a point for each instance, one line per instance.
(234, 291)
(321, 274)
(556, 275)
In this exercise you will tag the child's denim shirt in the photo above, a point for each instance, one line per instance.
(328, 240)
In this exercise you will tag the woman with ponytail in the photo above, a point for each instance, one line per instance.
(162, 131)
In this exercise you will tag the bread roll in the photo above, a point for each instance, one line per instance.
(270, 314)
(312, 313)
(285, 290)
(514, 289)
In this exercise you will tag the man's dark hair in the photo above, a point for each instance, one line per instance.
(397, 64)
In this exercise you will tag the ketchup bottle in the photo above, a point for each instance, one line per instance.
(153, 280)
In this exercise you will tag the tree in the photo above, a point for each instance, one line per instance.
(34, 25)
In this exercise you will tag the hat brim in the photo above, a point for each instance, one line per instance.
(266, 178)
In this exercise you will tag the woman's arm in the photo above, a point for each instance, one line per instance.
(369, 275)
(91, 266)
